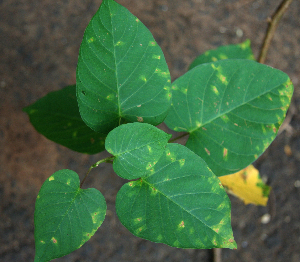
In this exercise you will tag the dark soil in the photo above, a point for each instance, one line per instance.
(39, 43)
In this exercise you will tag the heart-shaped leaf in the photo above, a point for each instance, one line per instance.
(65, 216)
(181, 204)
(238, 51)
(136, 147)
(122, 75)
(56, 116)
(232, 110)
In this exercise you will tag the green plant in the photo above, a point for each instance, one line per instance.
(230, 106)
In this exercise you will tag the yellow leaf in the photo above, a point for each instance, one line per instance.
(247, 185)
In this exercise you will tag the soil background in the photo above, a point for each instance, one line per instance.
(39, 43)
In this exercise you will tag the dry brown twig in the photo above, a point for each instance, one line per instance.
(273, 24)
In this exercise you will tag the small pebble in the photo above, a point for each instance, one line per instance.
(265, 219)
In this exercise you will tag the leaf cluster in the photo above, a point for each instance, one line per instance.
(230, 106)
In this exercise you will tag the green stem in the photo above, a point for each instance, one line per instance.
(176, 138)
(273, 23)
(107, 160)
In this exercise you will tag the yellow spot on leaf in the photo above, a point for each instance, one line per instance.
(90, 40)
(140, 119)
(156, 56)
(223, 79)
(152, 43)
(225, 118)
(51, 178)
(54, 240)
(149, 148)
(207, 151)
(143, 78)
(181, 162)
(214, 59)
(215, 90)
(225, 153)
(247, 185)
(139, 230)
(119, 43)
(110, 97)
(137, 220)
(181, 225)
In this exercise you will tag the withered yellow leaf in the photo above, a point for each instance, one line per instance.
(247, 185)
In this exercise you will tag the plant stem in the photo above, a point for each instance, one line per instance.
(107, 160)
(176, 138)
(273, 23)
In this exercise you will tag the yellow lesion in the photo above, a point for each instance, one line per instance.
(156, 56)
(214, 59)
(223, 79)
(90, 40)
(110, 97)
(54, 240)
(152, 43)
(137, 220)
(140, 229)
(95, 217)
(165, 74)
(184, 90)
(74, 134)
(174, 87)
(51, 178)
(143, 78)
(149, 148)
(198, 124)
(154, 191)
(68, 182)
(215, 90)
(225, 118)
(225, 153)
(119, 43)
(181, 162)
(181, 225)
(150, 165)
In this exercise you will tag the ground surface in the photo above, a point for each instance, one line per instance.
(39, 42)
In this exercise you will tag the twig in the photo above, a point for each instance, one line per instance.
(273, 23)
(217, 255)
(107, 160)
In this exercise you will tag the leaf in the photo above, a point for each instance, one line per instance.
(66, 216)
(248, 186)
(238, 51)
(56, 116)
(181, 204)
(136, 147)
(232, 110)
(122, 75)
